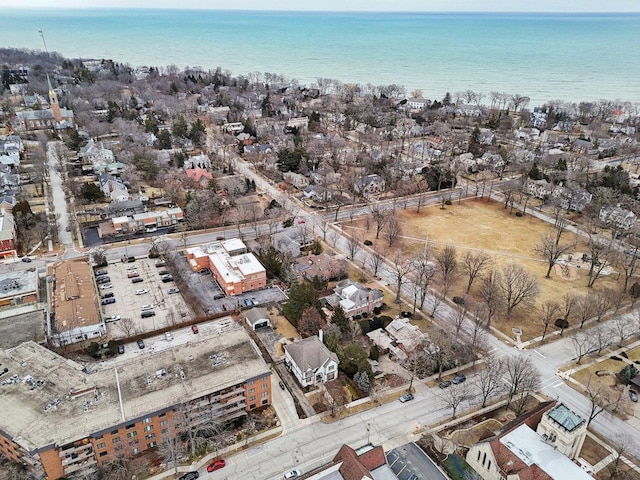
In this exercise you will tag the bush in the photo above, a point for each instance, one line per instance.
(518, 214)
(380, 322)
(374, 353)
(561, 323)
(447, 202)
(627, 373)
(365, 326)
(368, 243)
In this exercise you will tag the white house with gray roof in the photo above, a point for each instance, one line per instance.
(311, 362)
(354, 298)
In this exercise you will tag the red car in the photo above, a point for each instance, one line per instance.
(194, 328)
(216, 465)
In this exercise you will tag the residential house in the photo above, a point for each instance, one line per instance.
(317, 193)
(198, 175)
(12, 146)
(311, 362)
(301, 123)
(258, 149)
(323, 266)
(533, 446)
(574, 200)
(354, 298)
(7, 202)
(198, 161)
(370, 184)
(464, 110)
(365, 463)
(296, 179)
(7, 235)
(135, 222)
(292, 240)
(617, 217)
(113, 188)
(257, 318)
(416, 104)
(539, 189)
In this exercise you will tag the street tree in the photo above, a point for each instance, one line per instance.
(518, 286)
(353, 246)
(375, 259)
(453, 397)
(474, 264)
(402, 267)
(488, 380)
(522, 377)
(393, 230)
(458, 315)
(601, 397)
(585, 308)
(381, 216)
(448, 263)
(490, 294)
(581, 342)
(549, 311)
(424, 273)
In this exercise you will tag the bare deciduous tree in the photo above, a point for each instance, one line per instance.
(581, 342)
(522, 377)
(585, 308)
(549, 310)
(401, 268)
(453, 397)
(353, 246)
(375, 259)
(490, 294)
(518, 286)
(551, 251)
(380, 216)
(458, 315)
(488, 381)
(393, 230)
(474, 264)
(448, 263)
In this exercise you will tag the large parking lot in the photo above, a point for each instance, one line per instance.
(130, 297)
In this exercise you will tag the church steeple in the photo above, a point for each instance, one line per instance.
(53, 101)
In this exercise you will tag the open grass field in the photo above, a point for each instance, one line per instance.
(479, 224)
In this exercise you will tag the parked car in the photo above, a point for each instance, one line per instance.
(218, 238)
(216, 465)
(99, 273)
(292, 474)
(633, 396)
(151, 229)
(406, 397)
(147, 306)
(108, 295)
(120, 348)
(444, 384)
(147, 314)
(173, 290)
(142, 291)
(458, 379)
(160, 263)
(106, 286)
(137, 280)
(168, 337)
(413, 477)
(102, 280)
(194, 329)
(167, 278)
(406, 314)
(190, 476)
(26, 259)
(133, 274)
(248, 303)
(163, 272)
(108, 301)
(140, 344)
(281, 383)
(112, 318)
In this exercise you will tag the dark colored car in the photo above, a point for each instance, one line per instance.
(148, 313)
(281, 383)
(108, 301)
(444, 384)
(104, 279)
(121, 349)
(458, 379)
(108, 295)
(190, 476)
(194, 328)
(216, 465)
(140, 344)
(167, 278)
(163, 272)
(137, 280)
(26, 259)
(407, 314)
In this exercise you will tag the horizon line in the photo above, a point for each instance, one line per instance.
(558, 12)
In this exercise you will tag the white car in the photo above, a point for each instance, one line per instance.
(168, 337)
(146, 307)
(142, 291)
(112, 318)
(105, 286)
(292, 474)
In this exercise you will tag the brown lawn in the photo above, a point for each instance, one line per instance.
(477, 224)
(592, 451)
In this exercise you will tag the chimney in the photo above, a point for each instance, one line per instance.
(320, 335)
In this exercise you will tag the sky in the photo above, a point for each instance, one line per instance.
(349, 5)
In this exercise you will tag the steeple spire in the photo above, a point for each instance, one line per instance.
(53, 101)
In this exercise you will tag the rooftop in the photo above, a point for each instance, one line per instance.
(73, 295)
(565, 417)
(76, 401)
(18, 282)
(531, 449)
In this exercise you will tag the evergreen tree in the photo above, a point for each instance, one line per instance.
(301, 296)
(340, 319)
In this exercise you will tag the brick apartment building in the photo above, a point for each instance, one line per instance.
(235, 270)
(62, 419)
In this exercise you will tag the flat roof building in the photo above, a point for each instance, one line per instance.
(235, 270)
(63, 418)
(74, 310)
